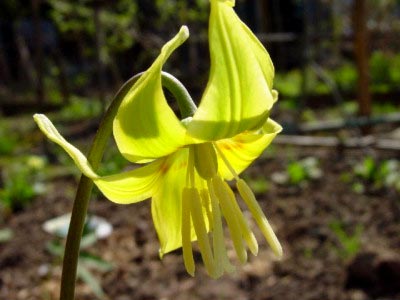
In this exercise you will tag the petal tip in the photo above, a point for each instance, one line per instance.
(38, 117)
(279, 254)
(184, 33)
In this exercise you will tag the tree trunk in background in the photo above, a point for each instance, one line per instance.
(38, 46)
(361, 43)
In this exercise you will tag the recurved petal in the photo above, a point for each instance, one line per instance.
(128, 187)
(47, 127)
(145, 127)
(242, 149)
(135, 185)
(238, 96)
(166, 205)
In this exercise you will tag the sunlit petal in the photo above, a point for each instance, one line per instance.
(127, 187)
(47, 127)
(145, 126)
(244, 148)
(166, 205)
(133, 186)
(238, 96)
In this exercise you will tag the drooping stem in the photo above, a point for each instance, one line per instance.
(81, 202)
(182, 96)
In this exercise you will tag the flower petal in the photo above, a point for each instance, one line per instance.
(47, 127)
(242, 149)
(146, 127)
(129, 187)
(238, 96)
(166, 205)
(132, 186)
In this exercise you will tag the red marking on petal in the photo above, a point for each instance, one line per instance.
(164, 168)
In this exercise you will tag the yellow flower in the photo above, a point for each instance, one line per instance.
(187, 161)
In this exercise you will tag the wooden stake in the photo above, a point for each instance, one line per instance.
(361, 56)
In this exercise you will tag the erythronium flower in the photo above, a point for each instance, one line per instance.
(188, 160)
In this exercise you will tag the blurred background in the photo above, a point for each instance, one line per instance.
(330, 183)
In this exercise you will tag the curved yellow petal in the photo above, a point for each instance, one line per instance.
(47, 127)
(242, 149)
(145, 126)
(133, 186)
(128, 187)
(166, 205)
(239, 95)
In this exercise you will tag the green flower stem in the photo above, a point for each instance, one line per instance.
(186, 105)
(81, 202)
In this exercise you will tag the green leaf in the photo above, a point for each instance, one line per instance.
(95, 262)
(86, 276)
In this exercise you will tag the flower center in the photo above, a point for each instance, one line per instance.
(205, 160)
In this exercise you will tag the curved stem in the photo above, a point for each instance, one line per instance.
(182, 96)
(81, 202)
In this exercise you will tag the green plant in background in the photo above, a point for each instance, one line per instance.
(299, 173)
(8, 139)
(385, 107)
(367, 169)
(304, 170)
(379, 65)
(87, 262)
(349, 244)
(289, 83)
(394, 70)
(114, 162)
(80, 108)
(384, 69)
(345, 76)
(373, 176)
(21, 182)
(118, 21)
(259, 184)
(186, 11)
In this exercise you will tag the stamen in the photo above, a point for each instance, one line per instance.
(260, 218)
(186, 233)
(228, 165)
(205, 160)
(205, 200)
(230, 217)
(201, 231)
(246, 232)
(220, 255)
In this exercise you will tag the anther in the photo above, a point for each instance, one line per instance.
(201, 231)
(220, 254)
(230, 217)
(262, 222)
